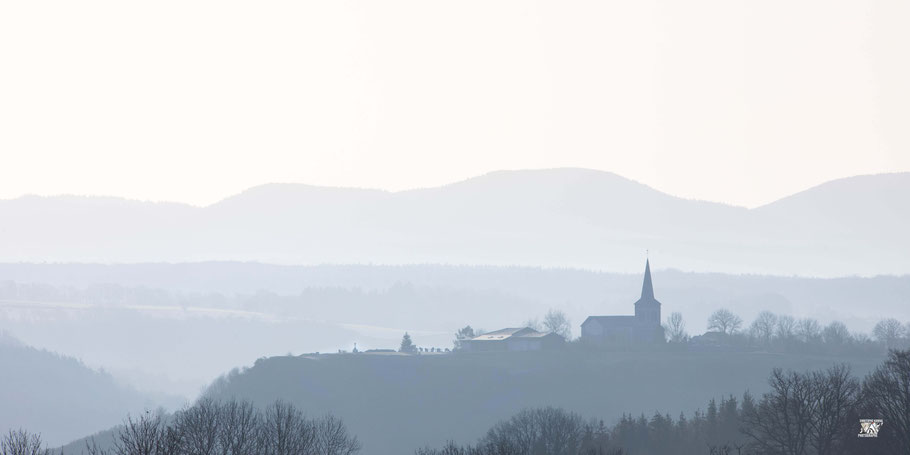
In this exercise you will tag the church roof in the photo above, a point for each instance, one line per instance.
(647, 297)
(647, 288)
(614, 321)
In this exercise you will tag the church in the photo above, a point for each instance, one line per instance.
(642, 328)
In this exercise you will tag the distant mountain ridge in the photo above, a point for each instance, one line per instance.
(556, 217)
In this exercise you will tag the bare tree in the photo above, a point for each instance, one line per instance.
(449, 449)
(238, 428)
(92, 448)
(888, 332)
(549, 431)
(171, 442)
(147, 435)
(332, 437)
(724, 321)
(836, 333)
(234, 427)
(835, 395)
(763, 326)
(676, 328)
(778, 423)
(557, 322)
(886, 394)
(786, 328)
(808, 330)
(285, 431)
(21, 442)
(199, 426)
(725, 449)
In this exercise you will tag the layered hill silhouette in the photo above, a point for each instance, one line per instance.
(558, 217)
(59, 396)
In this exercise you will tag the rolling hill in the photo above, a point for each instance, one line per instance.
(558, 217)
(59, 396)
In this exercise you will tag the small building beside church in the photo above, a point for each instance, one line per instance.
(513, 339)
(641, 328)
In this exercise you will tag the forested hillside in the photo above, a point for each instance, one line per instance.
(59, 395)
(396, 403)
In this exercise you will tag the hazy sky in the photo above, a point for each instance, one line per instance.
(733, 101)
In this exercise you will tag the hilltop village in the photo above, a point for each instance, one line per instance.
(641, 329)
(645, 330)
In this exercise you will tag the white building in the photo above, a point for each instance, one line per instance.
(513, 339)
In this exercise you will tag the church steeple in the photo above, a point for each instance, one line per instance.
(647, 290)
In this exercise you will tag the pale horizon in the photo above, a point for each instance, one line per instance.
(206, 203)
(192, 102)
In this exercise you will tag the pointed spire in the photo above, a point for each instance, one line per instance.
(647, 290)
